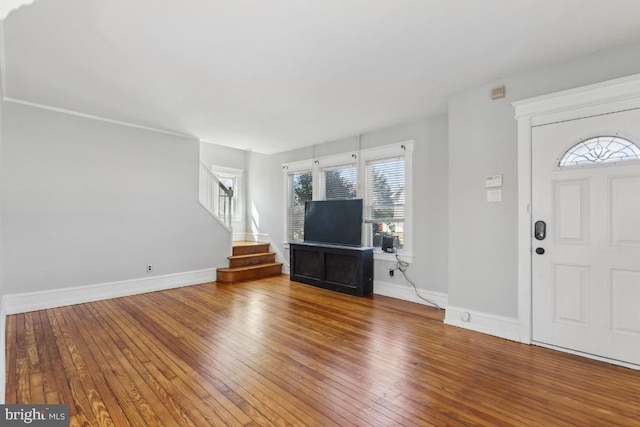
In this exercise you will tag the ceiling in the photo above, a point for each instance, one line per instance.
(276, 75)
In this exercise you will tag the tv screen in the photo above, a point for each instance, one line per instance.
(337, 222)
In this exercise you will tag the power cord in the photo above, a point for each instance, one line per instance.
(402, 267)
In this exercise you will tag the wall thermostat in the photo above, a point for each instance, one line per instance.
(493, 181)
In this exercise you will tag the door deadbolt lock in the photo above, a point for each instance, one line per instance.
(540, 230)
(540, 251)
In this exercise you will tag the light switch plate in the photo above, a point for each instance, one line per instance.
(494, 196)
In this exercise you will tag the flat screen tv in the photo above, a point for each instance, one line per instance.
(337, 222)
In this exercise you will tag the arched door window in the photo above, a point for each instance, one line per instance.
(598, 150)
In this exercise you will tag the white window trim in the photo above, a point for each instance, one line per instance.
(398, 149)
(337, 160)
(298, 166)
(238, 192)
(226, 170)
(288, 169)
(404, 148)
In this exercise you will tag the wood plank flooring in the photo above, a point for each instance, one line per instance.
(275, 352)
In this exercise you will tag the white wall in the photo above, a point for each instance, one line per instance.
(482, 141)
(429, 268)
(87, 202)
(2, 311)
(218, 155)
(265, 198)
(431, 209)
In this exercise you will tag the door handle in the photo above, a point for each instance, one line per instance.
(540, 230)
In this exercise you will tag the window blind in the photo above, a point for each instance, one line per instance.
(300, 191)
(384, 187)
(340, 182)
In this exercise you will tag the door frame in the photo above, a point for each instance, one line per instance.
(600, 98)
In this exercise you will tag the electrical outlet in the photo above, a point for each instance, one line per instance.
(391, 273)
(149, 268)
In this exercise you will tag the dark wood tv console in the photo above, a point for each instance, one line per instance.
(344, 269)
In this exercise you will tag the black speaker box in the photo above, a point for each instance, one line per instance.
(387, 244)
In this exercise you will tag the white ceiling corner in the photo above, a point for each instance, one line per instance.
(7, 6)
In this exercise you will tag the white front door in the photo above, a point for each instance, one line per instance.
(586, 284)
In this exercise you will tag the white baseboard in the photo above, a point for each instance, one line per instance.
(280, 257)
(32, 301)
(407, 293)
(499, 326)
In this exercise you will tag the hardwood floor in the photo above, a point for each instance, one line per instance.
(275, 352)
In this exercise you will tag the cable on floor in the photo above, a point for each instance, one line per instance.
(402, 267)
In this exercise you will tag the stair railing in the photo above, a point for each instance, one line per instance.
(215, 196)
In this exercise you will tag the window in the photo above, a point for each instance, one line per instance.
(340, 182)
(230, 183)
(381, 176)
(384, 199)
(300, 190)
(232, 179)
(598, 150)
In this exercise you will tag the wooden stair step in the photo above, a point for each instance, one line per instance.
(252, 259)
(246, 248)
(248, 272)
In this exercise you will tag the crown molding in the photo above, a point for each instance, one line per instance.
(99, 118)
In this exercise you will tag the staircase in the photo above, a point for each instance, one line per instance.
(250, 260)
